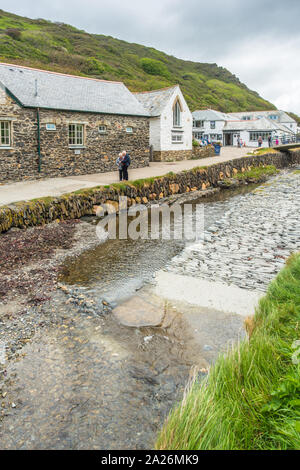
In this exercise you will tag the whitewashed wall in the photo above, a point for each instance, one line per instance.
(208, 131)
(155, 134)
(166, 125)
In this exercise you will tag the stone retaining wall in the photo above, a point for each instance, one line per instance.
(80, 203)
(179, 155)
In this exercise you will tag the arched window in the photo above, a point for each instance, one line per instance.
(177, 114)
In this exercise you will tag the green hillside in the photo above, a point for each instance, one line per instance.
(63, 48)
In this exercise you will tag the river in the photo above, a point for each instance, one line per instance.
(88, 381)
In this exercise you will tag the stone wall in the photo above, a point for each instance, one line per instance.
(76, 205)
(99, 153)
(177, 155)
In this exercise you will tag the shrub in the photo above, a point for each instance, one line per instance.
(154, 67)
(14, 33)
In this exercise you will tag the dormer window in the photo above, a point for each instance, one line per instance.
(177, 114)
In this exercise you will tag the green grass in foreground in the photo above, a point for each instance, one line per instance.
(251, 398)
(257, 172)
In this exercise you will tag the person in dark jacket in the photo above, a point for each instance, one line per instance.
(270, 140)
(125, 165)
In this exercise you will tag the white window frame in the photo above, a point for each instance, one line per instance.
(177, 137)
(212, 124)
(129, 130)
(5, 134)
(254, 136)
(102, 129)
(77, 140)
(52, 127)
(177, 114)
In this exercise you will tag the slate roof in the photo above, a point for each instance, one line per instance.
(210, 115)
(282, 116)
(262, 124)
(68, 92)
(155, 101)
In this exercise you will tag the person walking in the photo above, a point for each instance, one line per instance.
(119, 164)
(270, 141)
(260, 141)
(125, 165)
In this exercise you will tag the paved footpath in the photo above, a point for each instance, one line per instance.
(26, 190)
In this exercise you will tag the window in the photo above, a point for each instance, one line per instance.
(254, 136)
(50, 127)
(198, 135)
(129, 130)
(199, 124)
(246, 118)
(102, 129)
(76, 138)
(5, 132)
(212, 124)
(177, 137)
(176, 115)
(273, 116)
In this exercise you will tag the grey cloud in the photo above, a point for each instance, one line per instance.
(253, 39)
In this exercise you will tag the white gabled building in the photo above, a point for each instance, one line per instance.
(277, 117)
(208, 124)
(246, 127)
(249, 131)
(171, 123)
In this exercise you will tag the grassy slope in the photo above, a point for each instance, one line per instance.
(61, 47)
(251, 398)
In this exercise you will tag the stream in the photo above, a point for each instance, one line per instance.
(88, 381)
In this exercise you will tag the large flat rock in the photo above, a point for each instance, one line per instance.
(139, 311)
(207, 294)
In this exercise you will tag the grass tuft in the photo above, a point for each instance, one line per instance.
(250, 400)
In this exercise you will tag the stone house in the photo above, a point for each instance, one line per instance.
(171, 123)
(53, 124)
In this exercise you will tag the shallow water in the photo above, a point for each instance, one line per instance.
(87, 382)
(117, 268)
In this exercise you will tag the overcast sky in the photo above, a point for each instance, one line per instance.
(257, 40)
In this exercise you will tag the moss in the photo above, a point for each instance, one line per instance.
(257, 172)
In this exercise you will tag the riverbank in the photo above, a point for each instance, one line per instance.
(154, 189)
(250, 400)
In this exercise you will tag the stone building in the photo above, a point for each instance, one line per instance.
(53, 124)
(171, 123)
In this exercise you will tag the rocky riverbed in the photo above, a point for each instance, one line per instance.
(72, 376)
(250, 243)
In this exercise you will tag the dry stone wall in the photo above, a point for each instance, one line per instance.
(178, 155)
(79, 204)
